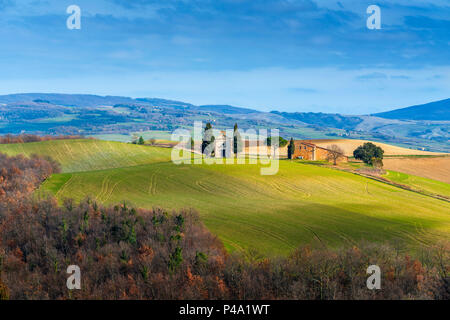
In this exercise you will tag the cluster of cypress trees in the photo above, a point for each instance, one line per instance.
(209, 141)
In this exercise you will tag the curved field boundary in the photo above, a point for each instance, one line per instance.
(436, 168)
(80, 155)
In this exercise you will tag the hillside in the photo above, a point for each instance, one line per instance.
(437, 110)
(430, 186)
(349, 145)
(121, 117)
(78, 100)
(274, 214)
(323, 119)
(431, 168)
(88, 155)
(225, 109)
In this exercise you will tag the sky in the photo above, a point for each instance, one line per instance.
(287, 55)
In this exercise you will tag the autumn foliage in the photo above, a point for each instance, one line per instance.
(129, 253)
(19, 176)
(25, 138)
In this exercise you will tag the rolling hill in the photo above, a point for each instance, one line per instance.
(274, 214)
(92, 115)
(226, 109)
(437, 111)
(77, 100)
(420, 183)
(436, 168)
(90, 154)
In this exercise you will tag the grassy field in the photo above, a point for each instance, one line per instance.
(87, 155)
(419, 183)
(302, 204)
(147, 135)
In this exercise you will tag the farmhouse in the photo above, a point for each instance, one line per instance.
(309, 151)
(304, 149)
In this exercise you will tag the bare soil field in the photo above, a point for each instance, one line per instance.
(437, 168)
(349, 145)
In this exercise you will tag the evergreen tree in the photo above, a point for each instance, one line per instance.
(291, 148)
(141, 140)
(237, 141)
(208, 139)
(281, 141)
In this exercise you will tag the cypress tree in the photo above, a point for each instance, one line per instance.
(208, 138)
(237, 141)
(291, 148)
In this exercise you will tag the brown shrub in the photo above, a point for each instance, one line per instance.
(26, 138)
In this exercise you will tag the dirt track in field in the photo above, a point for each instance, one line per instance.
(433, 168)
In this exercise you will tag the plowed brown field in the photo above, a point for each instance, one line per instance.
(433, 168)
(349, 145)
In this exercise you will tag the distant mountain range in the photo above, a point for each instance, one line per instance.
(87, 100)
(424, 126)
(438, 110)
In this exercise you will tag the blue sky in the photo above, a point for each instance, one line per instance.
(290, 55)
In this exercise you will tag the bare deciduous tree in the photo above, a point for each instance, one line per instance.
(334, 153)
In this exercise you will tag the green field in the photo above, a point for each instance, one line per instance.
(88, 155)
(147, 135)
(302, 204)
(419, 183)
